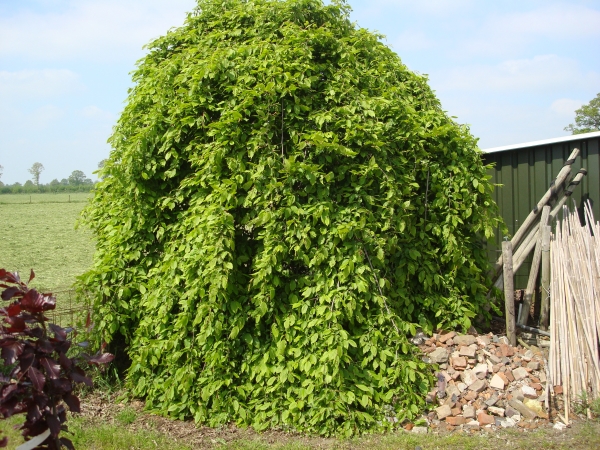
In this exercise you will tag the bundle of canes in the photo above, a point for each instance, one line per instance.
(574, 358)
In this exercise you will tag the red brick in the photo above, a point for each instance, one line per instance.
(504, 377)
(455, 421)
(506, 350)
(485, 419)
(445, 337)
(471, 395)
(459, 362)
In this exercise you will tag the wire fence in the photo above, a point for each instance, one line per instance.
(71, 310)
(48, 197)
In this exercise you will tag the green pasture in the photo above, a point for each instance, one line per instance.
(38, 232)
(50, 197)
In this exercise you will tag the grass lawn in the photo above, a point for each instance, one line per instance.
(41, 235)
(130, 430)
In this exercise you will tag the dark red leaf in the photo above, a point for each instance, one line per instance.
(51, 366)
(8, 392)
(33, 412)
(10, 292)
(59, 332)
(4, 442)
(41, 400)
(37, 378)
(13, 309)
(104, 358)
(65, 362)
(15, 325)
(10, 350)
(10, 277)
(62, 413)
(35, 429)
(34, 302)
(53, 424)
(67, 443)
(45, 346)
(72, 402)
(62, 386)
(10, 407)
(78, 376)
(26, 358)
(31, 276)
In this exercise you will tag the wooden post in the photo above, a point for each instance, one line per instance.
(521, 252)
(545, 308)
(535, 268)
(556, 185)
(509, 292)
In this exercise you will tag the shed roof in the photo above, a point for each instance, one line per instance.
(574, 137)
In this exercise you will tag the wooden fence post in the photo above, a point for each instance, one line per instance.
(545, 304)
(535, 267)
(509, 292)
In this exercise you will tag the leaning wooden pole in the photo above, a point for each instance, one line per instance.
(554, 186)
(520, 254)
(535, 266)
(509, 292)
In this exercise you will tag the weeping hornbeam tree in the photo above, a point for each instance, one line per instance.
(284, 204)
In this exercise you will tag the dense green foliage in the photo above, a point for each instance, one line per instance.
(284, 204)
(587, 118)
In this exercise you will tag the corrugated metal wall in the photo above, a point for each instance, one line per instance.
(525, 175)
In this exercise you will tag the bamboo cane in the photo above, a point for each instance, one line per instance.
(574, 357)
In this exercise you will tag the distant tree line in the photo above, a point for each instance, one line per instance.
(76, 182)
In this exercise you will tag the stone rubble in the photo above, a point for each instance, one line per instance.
(484, 382)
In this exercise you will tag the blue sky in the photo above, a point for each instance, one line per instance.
(515, 71)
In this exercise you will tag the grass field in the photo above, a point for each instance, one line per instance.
(73, 197)
(41, 235)
(120, 432)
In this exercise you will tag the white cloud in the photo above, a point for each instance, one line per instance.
(540, 73)
(565, 106)
(38, 83)
(507, 33)
(95, 113)
(564, 21)
(105, 30)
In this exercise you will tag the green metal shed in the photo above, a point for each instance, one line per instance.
(523, 173)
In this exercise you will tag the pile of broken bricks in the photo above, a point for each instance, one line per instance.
(485, 383)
